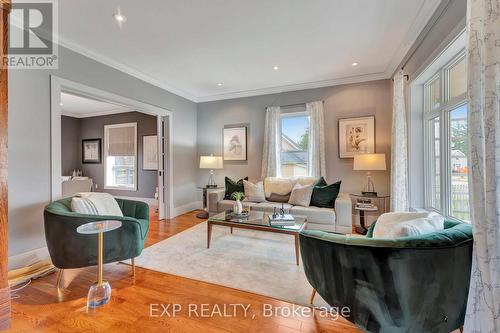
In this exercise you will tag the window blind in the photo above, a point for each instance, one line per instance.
(121, 141)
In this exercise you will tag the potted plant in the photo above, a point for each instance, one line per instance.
(238, 207)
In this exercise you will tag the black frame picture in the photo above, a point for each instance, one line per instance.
(99, 151)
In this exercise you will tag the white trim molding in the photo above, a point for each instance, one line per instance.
(57, 85)
(28, 258)
(179, 210)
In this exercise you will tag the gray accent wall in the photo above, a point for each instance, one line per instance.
(93, 128)
(344, 101)
(71, 150)
(29, 139)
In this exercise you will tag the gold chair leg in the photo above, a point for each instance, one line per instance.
(59, 278)
(311, 300)
(133, 267)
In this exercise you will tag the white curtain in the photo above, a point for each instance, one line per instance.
(483, 61)
(272, 143)
(399, 156)
(317, 165)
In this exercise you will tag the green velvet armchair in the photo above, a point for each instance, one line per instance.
(410, 284)
(69, 249)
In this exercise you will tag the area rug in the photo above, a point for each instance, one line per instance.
(259, 262)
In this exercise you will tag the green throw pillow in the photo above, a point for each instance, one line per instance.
(232, 186)
(324, 195)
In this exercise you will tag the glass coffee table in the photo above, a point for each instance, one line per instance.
(256, 221)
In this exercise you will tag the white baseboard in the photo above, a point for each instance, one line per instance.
(187, 208)
(28, 258)
(149, 201)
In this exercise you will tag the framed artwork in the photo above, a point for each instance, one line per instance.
(91, 151)
(235, 142)
(356, 136)
(150, 152)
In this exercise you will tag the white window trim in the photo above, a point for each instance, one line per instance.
(119, 188)
(443, 111)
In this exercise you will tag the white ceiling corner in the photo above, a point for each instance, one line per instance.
(188, 47)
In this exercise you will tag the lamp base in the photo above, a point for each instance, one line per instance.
(369, 193)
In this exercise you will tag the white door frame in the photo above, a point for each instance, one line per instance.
(57, 85)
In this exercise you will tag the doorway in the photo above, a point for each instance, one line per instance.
(134, 174)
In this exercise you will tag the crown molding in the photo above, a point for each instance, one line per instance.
(294, 87)
(425, 13)
(124, 68)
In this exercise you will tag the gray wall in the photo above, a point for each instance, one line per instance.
(29, 139)
(71, 151)
(369, 98)
(448, 21)
(93, 128)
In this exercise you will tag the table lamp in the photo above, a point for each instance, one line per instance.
(211, 162)
(369, 162)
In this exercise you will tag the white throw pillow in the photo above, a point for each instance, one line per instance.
(254, 192)
(301, 195)
(396, 225)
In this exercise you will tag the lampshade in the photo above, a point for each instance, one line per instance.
(369, 162)
(211, 162)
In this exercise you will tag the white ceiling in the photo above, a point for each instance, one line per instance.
(189, 46)
(82, 107)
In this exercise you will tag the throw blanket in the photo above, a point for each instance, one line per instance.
(95, 203)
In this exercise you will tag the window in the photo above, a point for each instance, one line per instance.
(445, 119)
(120, 156)
(294, 144)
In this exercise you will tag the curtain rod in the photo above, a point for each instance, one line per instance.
(293, 105)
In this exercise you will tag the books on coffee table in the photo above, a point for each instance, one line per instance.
(281, 220)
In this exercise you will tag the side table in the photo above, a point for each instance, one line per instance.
(100, 292)
(376, 206)
(205, 189)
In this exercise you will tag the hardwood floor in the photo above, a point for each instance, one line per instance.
(40, 308)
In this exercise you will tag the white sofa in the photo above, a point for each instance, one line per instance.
(338, 219)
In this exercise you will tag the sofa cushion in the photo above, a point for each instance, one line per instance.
(325, 195)
(232, 187)
(229, 204)
(269, 206)
(277, 185)
(301, 195)
(315, 214)
(254, 192)
(304, 180)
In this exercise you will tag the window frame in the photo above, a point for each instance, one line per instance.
(293, 114)
(120, 188)
(447, 105)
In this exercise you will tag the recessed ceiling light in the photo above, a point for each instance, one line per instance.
(276, 68)
(354, 64)
(119, 17)
(219, 84)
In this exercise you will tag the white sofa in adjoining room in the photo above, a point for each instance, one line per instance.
(337, 219)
